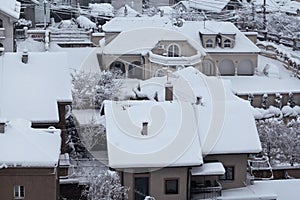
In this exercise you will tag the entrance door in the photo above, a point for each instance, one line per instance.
(141, 188)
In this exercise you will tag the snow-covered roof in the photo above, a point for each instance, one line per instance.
(261, 84)
(271, 5)
(31, 91)
(102, 9)
(172, 138)
(213, 121)
(127, 11)
(213, 168)
(11, 8)
(136, 41)
(23, 146)
(190, 30)
(208, 5)
(292, 7)
(271, 189)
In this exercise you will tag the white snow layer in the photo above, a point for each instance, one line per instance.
(23, 146)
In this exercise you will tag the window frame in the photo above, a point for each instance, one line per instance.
(226, 176)
(177, 190)
(227, 43)
(209, 43)
(172, 52)
(18, 193)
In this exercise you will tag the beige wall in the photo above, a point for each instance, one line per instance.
(157, 185)
(239, 162)
(109, 36)
(38, 182)
(8, 42)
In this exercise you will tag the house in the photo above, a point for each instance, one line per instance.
(35, 89)
(215, 48)
(29, 166)
(9, 13)
(213, 6)
(184, 141)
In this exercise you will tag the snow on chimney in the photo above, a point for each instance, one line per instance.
(25, 56)
(168, 92)
(145, 128)
(198, 100)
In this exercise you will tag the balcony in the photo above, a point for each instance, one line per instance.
(2, 33)
(207, 190)
(174, 61)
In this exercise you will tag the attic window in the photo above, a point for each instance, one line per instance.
(227, 43)
(209, 43)
(173, 50)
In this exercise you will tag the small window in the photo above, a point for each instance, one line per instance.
(173, 50)
(209, 43)
(19, 192)
(227, 43)
(1, 23)
(229, 174)
(171, 186)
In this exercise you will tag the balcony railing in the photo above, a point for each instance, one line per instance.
(167, 61)
(206, 191)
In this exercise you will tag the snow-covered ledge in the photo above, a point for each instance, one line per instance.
(163, 60)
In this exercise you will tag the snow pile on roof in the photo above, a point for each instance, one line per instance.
(85, 22)
(213, 168)
(292, 7)
(204, 111)
(31, 91)
(102, 9)
(28, 147)
(127, 11)
(190, 30)
(212, 5)
(262, 84)
(271, 189)
(11, 8)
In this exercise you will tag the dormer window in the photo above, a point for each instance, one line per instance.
(209, 43)
(173, 50)
(227, 43)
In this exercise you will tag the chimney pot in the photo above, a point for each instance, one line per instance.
(145, 128)
(168, 92)
(25, 56)
(2, 127)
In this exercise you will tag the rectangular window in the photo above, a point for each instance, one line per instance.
(229, 174)
(171, 186)
(19, 192)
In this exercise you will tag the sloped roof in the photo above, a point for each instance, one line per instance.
(215, 123)
(190, 30)
(208, 5)
(24, 146)
(11, 8)
(31, 91)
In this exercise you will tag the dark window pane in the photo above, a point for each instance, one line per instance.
(171, 186)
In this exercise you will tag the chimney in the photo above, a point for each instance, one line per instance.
(2, 127)
(168, 92)
(25, 56)
(145, 128)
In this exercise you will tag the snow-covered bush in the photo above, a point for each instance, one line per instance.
(85, 22)
(280, 141)
(91, 89)
(107, 186)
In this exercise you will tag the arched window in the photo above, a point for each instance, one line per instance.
(227, 43)
(209, 43)
(173, 50)
(117, 66)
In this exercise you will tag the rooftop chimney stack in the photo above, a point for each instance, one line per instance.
(145, 128)
(25, 56)
(2, 127)
(199, 100)
(168, 92)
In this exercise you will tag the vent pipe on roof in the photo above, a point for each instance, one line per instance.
(168, 92)
(198, 100)
(25, 56)
(145, 128)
